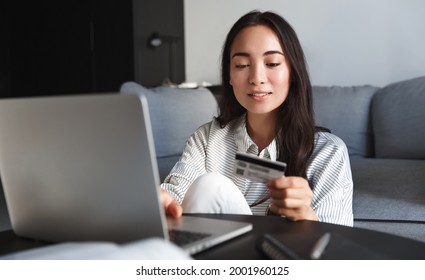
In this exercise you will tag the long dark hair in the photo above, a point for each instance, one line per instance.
(295, 126)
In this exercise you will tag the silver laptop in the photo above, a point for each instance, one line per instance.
(79, 168)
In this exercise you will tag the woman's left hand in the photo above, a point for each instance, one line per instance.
(291, 197)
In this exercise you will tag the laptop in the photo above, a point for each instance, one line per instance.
(83, 168)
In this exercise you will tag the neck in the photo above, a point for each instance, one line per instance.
(261, 128)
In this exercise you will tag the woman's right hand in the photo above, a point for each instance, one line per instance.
(171, 206)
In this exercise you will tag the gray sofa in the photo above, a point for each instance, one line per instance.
(383, 128)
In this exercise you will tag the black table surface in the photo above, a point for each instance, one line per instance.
(346, 242)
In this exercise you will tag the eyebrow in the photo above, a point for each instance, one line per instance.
(247, 54)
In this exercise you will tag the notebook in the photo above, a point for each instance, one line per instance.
(305, 245)
(80, 168)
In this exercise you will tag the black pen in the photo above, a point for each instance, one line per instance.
(320, 246)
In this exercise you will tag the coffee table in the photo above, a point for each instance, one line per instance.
(346, 243)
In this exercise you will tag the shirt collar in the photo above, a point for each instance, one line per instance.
(245, 144)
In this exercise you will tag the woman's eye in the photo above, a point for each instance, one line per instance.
(273, 64)
(241, 66)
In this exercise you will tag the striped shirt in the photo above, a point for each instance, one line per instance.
(212, 149)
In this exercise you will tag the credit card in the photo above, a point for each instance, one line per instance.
(258, 169)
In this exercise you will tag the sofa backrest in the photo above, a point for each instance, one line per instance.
(346, 112)
(175, 114)
(398, 115)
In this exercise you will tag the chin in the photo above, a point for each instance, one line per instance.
(261, 111)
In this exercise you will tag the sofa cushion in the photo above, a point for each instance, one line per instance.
(388, 189)
(175, 114)
(398, 115)
(346, 112)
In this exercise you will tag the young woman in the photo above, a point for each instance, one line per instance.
(266, 110)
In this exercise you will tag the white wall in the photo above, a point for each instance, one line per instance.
(346, 42)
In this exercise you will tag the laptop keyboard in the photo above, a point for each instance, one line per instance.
(182, 237)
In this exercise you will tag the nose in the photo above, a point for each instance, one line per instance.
(257, 75)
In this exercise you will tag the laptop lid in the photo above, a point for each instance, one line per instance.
(84, 168)
(80, 168)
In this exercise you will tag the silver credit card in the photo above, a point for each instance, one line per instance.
(258, 169)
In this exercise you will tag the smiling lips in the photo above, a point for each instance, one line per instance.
(259, 94)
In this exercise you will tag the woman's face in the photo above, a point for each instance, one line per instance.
(259, 74)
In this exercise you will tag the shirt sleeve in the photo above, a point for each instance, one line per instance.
(190, 165)
(331, 181)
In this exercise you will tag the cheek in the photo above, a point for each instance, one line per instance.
(281, 77)
(236, 79)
